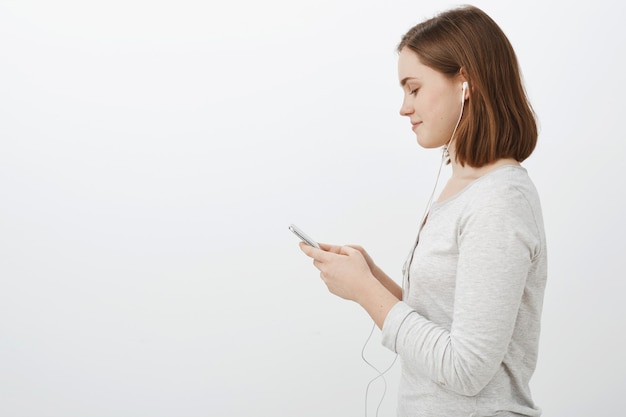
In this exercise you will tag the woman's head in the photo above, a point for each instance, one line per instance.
(465, 44)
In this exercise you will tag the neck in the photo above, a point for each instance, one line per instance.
(468, 172)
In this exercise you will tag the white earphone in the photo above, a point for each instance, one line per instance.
(465, 85)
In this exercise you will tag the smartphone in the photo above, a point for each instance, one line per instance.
(303, 236)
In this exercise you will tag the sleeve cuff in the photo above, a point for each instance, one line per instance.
(392, 324)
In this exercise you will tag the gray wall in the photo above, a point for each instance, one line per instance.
(152, 155)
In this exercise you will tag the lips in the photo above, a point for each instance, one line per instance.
(415, 125)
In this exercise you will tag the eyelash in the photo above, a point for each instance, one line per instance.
(413, 92)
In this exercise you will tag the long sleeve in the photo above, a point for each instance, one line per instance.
(472, 313)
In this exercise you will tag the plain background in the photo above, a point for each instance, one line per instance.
(153, 154)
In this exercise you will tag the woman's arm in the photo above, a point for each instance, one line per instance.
(380, 275)
(498, 241)
(348, 274)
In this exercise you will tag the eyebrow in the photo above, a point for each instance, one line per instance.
(406, 80)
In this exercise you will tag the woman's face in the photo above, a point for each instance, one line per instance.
(432, 100)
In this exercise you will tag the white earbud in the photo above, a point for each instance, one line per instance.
(464, 90)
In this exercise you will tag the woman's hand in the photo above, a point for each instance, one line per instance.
(345, 270)
(368, 259)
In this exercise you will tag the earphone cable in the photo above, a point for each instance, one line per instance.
(380, 374)
(445, 156)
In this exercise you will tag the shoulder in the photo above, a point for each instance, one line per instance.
(504, 202)
(504, 196)
(508, 187)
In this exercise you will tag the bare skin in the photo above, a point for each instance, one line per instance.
(347, 274)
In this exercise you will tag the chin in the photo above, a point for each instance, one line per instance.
(426, 144)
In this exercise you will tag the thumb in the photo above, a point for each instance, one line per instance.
(348, 250)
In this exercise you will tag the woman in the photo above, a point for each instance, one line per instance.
(466, 320)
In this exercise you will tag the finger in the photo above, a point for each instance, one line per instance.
(357, 247)
(310, 251)
(349, 250)
(307, 249)
(317, 264)
(330, 248)
(317, 254)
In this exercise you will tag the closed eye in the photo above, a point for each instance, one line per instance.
(414, 91)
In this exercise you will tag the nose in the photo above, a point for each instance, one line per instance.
(406, 109)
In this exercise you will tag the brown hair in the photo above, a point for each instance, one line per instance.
(499, 121)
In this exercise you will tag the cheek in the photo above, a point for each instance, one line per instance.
(445, 112)
(429, 106)
(440, 117)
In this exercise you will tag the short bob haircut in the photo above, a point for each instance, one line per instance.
(499, 121)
